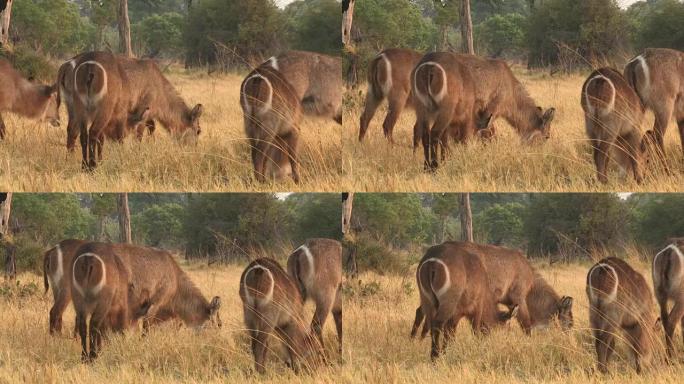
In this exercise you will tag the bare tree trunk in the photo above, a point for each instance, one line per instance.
(347, 41)
(5, 209)
(10, 260)
(347, 202)
(124, 29)
(466, 215)
(467, 28)
(443, 38)
(5, 16)
(124, 219)
(347, 18)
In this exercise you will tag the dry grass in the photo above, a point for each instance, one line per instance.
(377, 340)
(564, 163)
(167, 355)
(33, 156)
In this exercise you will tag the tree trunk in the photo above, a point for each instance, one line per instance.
(5, 209)
(124, 219)
(5, 16)
(10, 260)
(347, 18)
(124, 29)
(466, 218)
(347, 202)
(467, 28)
(442, 46)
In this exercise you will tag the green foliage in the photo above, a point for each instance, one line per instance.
(18, 290)
(50, 26)
(658, 24)
(502, 35)
(375, 255)
(394, 23)
(159, 225)
(51, 217)
(315, 215)
(315, 25)
(658, 217)
(501, 224)
(160, 34)
(31, 64)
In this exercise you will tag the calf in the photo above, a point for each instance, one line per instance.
(272, 304)
(316, 268)
(620, 300)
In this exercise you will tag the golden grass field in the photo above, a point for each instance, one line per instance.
(377, 328)
(33, 157)
(563, 163)
(168, 354)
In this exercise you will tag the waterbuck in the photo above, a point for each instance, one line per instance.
(272, 113)
(613, 116)
(316, 268)
(25, 98)
(453, 284)
(272, 304)
(316, 79)
(56, 273)
(515, 283)
(620, 300)
(110, 91)
(389, 77)
(657, 75)
(443, 89)
(668, 282)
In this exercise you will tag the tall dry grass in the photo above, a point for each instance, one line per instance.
(377, 328)
(168, 354)
(563, 163)
(34, 158)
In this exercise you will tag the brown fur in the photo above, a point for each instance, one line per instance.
(272, 304)
(613, 117)
(316, 79)
(668, 282)
(389, 77)
(23, 97)
(514, 283)
(663, 90)
(132, 91)
(322, 284)
(440, 105)
(453, 284)
(620, 300)
(272, 114)
(58, 274)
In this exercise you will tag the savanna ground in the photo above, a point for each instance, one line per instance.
(33, 156)
(378, 321)
(563, 163)
(168, 354)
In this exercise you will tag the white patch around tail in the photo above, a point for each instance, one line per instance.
(56, 277)
(310, 276)
(642, 89)
(266, 105)
(97, 288)
(423, 97)
(611, 104)
(612, 295)
(680, 255)
(387, 86)
(86, 99)
(255, 301)
(447, 283)
(273, 62)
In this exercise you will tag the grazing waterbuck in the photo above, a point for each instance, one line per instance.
(620, 301)
(316, 268)
(57, 274)
(389, 77)
(453, 284)
(25, 98)
(613, 117)
(272, 305)
(272, 114)
(316, 79)
(668, 282)
(515, 284)
(112, 93)
(657, 75)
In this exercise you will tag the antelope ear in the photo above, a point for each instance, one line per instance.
(137, 117)
(144, 308)
(658, 322)
(548, 115)
(565, 302)
(196, 112)
(215, 305)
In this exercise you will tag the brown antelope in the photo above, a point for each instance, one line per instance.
(110, 91)
(272, 304)
(272, 113)
(316, 268)
(620, 300)
(56, 273)
(668, 282)
(389, 77)
(25, 98)
(657, 76)
(443, 89)
(613, 116)
(453, 284)
(65, 81)
(516, 285)
(316, 79)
